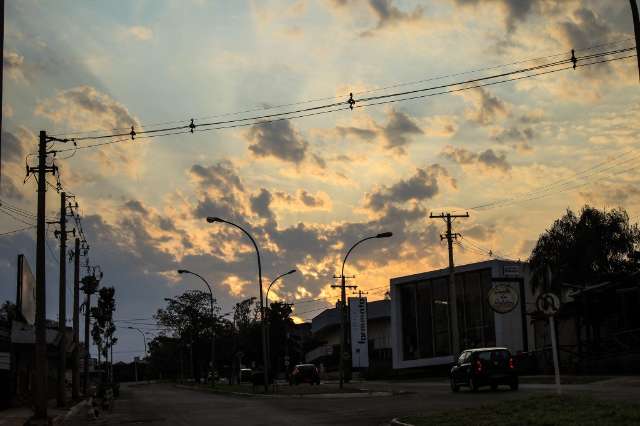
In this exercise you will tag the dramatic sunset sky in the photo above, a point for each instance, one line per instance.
(309, 188)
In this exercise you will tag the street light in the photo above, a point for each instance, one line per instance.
(213, 324)
(266, 302)
(342, 304)
(144, 339)
(266, 298)
(211, 219)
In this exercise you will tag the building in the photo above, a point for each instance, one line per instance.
(325, 329)
(420, 312)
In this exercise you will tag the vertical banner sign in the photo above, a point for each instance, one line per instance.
(26, 297)
(359, 332)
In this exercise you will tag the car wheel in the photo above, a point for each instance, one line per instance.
(514, 384)
(473, 384)
(454, 387)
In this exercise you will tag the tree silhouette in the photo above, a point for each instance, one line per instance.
(584, 250)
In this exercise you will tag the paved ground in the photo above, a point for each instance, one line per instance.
(165, 404)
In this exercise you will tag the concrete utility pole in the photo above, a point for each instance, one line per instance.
(41, 369)
(636, 30)
(87, 354)
(343, 323)
(75, 375)
(62, 301)
(453, 301)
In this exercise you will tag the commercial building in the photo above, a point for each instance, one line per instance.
(325, 329)
(420, 312)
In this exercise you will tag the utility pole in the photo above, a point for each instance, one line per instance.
(453, 301)
(343, 322)
(636, 30)
(41, 369)
(87, 355)
(62, 300)
(75, 376)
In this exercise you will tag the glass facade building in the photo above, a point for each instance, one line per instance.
(421, 314)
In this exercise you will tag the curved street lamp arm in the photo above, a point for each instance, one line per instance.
(351, 249)
(266, 298)
(255, 246)
(144, 338)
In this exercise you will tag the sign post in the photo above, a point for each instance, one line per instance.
(549, 304)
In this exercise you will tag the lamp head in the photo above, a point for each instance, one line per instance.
(293, 271)
(182, 271)
(384, 235)
(212, 219)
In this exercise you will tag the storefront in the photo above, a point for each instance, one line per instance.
(420, 312)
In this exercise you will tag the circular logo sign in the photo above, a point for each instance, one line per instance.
(502, 298)
(548, 303)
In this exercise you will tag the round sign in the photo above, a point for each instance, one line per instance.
(548, 303)
(502, 298)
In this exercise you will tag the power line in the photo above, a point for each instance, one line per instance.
(17, 230)
(334, 107)
(379, 89)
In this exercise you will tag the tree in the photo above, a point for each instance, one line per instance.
(104, 329)
(8, 311)
(280, 322)
(189, 317)
(584, 250)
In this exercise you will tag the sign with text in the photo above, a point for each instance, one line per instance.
(502, 298)
(359, 332)
(26, 297)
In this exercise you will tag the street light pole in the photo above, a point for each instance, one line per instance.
(343, 310)
(144, 339)
(213, 324)
(266, 302)
(264, 336)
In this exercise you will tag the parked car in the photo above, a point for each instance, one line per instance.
(246, 374)
(305, 373)
(484, 367)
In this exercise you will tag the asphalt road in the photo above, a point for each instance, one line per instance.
(165, 404)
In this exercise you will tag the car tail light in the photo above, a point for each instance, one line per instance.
(511, 365)
(478, 366)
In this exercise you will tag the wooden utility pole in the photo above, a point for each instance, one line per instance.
(636, 30)
(62, 301)
(75, 375)
(343, 323)
(453, 301)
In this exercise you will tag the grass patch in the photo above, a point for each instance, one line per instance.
(538, 411)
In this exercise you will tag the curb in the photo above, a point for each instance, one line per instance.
(294, 396)
(396, 422)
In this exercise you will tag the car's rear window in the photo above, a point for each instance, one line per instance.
(501, 355)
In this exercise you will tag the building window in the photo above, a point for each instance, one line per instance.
(409, 331)
(425, 315)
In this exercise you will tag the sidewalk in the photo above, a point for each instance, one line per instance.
(19, 415)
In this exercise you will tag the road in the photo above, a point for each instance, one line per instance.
(166, 404)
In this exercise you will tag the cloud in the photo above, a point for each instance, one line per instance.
(85, 108)
(398, 131)
(13, 148)
(584, 27)
(514, 11)
(261, 204)
(395, 134)
(303, 200)
(7, 110)
(487, 159)
(486, 108)
(423, 185)
(135, 206)
(9, 189)
(13, 66)
(277, 139)
(389, 15)
(139, 32)
(519, 137)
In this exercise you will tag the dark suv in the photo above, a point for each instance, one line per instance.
(305, 373)
(484, 367)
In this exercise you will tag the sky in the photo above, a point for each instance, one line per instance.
(309, 188)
